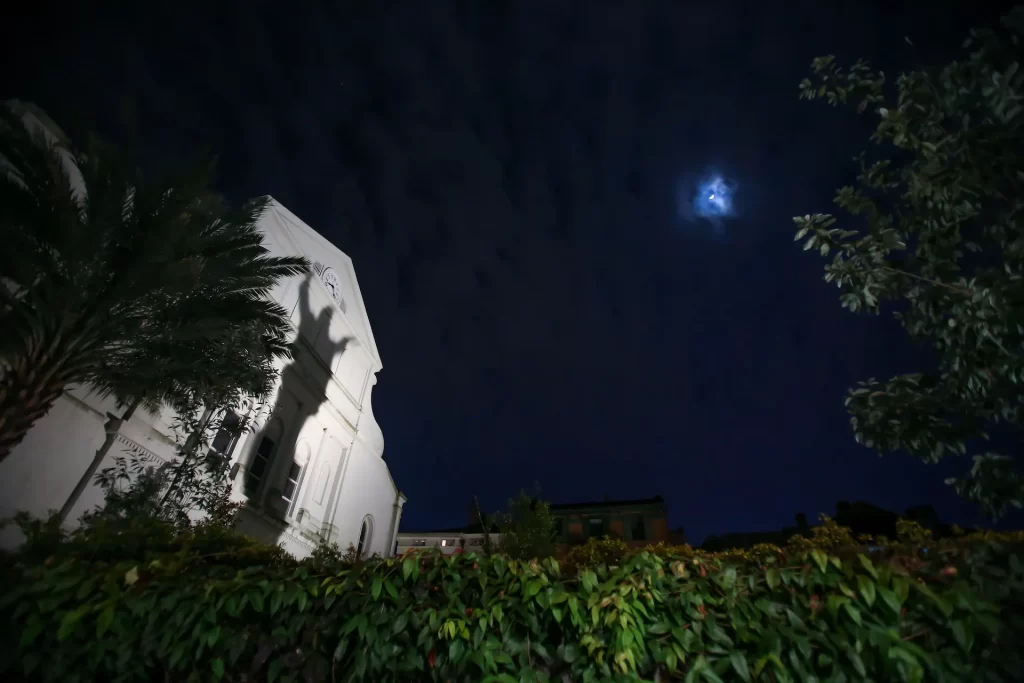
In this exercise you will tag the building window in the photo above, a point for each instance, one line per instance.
(292, 482)
(558, 529)
(595, 527)
(638, 529)
(227, 435)
(258, 466)
(419, 543)
(365, 535)
(476, 541)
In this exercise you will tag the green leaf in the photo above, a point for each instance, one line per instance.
(275, 602)
(104, 620)
(868, 565)
(392, 589)
(70, 620)
(835, 602)
(820, 559)
(739, 664)
(627, 638)
(858, 663)
(456, 650)
(375, 587)
(772, 577)
(131, 576)
(760, 664)
(30, 632)
(398, 625)
(942, 604)
(218, 668)
(890, 599)
(274, 670)
(409, 566)
(867, 589)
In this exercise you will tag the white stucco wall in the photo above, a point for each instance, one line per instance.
(364, 475)
(42, 471)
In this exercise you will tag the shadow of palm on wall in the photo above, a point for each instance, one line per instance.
(281, 463)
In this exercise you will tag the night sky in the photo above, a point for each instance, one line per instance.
(508, 179)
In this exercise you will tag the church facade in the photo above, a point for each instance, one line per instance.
(309, 468)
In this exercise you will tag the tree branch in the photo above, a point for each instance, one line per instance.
(937, 283)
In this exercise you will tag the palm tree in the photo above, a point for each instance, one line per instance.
(105, 269)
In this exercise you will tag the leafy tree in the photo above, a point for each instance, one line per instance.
(123, 281)
(527, 528)
(186, 489)
(937, 234)
(221, 373)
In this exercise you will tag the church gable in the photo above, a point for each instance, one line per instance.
(332, 268)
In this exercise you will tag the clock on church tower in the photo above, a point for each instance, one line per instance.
(332, 282)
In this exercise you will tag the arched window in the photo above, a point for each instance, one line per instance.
(365, 536)
(264, 454)
(292, 477)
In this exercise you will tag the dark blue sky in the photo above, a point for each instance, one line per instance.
(505, 176)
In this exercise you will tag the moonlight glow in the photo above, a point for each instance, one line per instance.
(713, 198)
(708, 199)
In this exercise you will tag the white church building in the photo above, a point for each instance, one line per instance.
(310, 468)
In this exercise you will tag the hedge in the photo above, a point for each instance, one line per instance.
(186, 613)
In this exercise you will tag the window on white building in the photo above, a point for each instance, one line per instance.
(292, 482)
(258, 466)
(365, 535)
(227, 436)
(419, 543)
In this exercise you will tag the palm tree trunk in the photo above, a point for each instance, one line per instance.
(28, 389)
(191, 444)
(112, 427)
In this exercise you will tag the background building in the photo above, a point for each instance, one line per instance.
(448, 541)
(637, 522)
(311, 468)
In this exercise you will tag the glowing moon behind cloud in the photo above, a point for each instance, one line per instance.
(713, 198)
(709, 198)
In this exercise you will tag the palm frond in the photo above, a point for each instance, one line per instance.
(151, 286)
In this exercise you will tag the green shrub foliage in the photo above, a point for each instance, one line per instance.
(206, 607)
